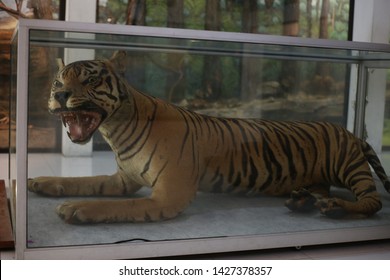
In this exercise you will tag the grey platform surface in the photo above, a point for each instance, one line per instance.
(210, 215)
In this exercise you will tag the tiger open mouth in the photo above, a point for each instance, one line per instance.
(80, 125)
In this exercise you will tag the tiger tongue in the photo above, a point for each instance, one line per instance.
(78, 126)
(76, 132)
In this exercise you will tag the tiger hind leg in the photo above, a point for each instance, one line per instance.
(305, 199)
(367, 203)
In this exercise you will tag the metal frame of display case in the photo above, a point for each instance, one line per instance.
(192, 246)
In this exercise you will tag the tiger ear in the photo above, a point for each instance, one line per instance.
(60, 63)
(118, 60)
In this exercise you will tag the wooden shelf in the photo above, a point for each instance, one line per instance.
(6, 236)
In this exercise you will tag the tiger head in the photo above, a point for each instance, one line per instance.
(85, 93)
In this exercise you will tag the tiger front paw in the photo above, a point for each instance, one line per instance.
(50, 186)
(74, 212)
(302, 201)
(331, 208)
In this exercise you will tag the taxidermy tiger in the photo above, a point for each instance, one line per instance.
(177, 152)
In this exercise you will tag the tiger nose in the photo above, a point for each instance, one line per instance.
(62, 96)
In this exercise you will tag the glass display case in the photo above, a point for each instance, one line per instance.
(213, 73)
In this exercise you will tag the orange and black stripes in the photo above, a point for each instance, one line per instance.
(177, 152)
(267, 156)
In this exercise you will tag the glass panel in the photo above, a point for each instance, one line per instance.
(12, 115)
(386, 126)
(213, 77)
(43, 134)
(193, 45)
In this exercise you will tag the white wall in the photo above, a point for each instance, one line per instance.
(372, 24)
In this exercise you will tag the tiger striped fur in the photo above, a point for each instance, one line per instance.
(177, 152)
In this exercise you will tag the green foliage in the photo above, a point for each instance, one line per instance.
(156, 13)
(194, 14)
(270, 20)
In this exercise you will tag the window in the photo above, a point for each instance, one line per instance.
(327, 19)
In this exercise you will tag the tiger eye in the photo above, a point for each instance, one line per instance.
(57, 84)
(93, 80)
